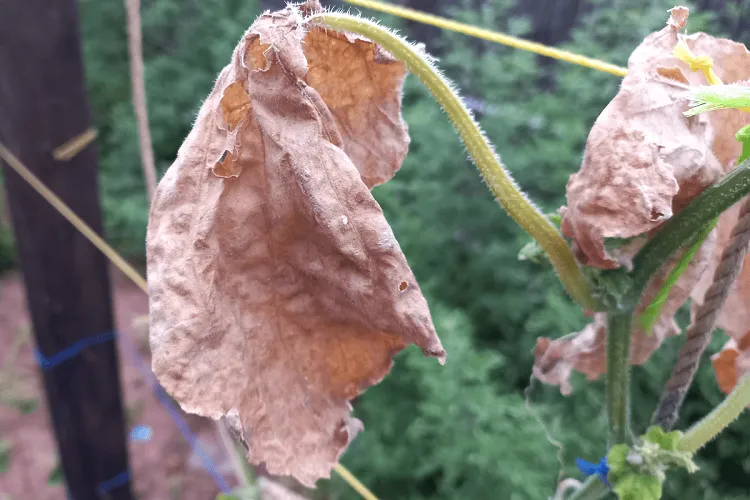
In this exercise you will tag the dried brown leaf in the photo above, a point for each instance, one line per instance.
(644, 162)
(361, 84)
(278, 290)
(644, 159)
(732, 362)
(678, 17)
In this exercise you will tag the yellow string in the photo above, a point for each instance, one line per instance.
(697, 63)
(71, 216)
(123, 266)
(492, 36)
(74, 146)
(354, 482)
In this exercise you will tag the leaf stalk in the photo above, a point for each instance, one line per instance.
(507, 193)
(712, 424)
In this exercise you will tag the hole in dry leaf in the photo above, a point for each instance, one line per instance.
(223, 157)
(403, 286)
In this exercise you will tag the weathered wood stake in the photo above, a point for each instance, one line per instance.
(43, 104)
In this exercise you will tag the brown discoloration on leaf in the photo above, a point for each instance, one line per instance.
(361, 84)
(585, 351)
(235, 103)
(277, 295)
(732, 362)
(644, 159)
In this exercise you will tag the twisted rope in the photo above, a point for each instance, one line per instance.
(699, 332)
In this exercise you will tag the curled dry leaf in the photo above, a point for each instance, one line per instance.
(644, 159)
(644, 162)
(732, 362)
(278, 291)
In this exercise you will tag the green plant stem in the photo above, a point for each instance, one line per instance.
(712, 424)
(653, 311)
(686, 226)
(499, 181)
(618, 377)
(592, 489)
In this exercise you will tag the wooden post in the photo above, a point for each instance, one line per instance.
(42, 105)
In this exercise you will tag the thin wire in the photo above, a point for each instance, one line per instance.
(492, 36)
(177, 418)
(123, 266)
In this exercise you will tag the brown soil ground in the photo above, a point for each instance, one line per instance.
(163, 468)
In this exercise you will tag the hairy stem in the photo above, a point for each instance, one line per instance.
(687, 225)
(592, 489)
(618, 377)
(712, 424)
(498, 179)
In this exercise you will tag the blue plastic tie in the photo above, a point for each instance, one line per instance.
(182, 425)
(47, 363)
(601, 469)
(115, 482)
(141, 433)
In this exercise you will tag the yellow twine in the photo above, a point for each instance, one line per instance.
(123, 266)
(74, 146)
(71, 216)
(697, 63)
(354, 482)
(492, 36)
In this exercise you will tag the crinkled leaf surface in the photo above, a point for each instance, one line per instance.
(644, 162)
(644, 159)
(278, 291)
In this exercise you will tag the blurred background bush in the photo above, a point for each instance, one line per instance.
(463, 430)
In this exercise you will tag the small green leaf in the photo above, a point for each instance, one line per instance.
(666, 440)
(56, 476)
(638, 487)
(617, 458)
(4, 455)
(743, 136)
(555, 219)
(533, 251)
(715, 97)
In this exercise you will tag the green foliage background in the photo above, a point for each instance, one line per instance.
(463, 430)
